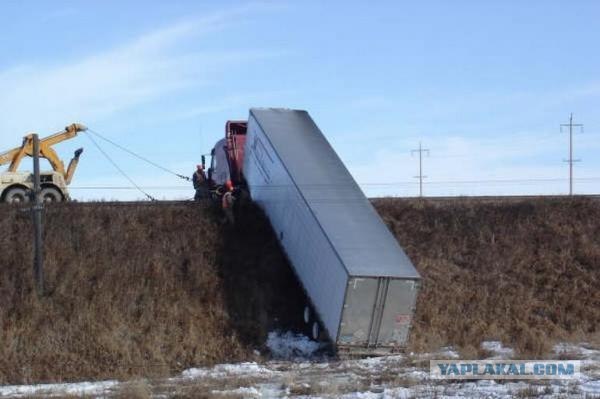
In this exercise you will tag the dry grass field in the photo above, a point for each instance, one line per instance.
(135, 290)
(128, 290)
(152, 289)
(525, 272)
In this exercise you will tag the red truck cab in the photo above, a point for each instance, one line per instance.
(227, 157)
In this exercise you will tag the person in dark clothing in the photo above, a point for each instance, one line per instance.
(200, 184)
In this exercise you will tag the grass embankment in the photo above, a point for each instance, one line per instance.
(153, 289)
(526, 272)
(136, 290)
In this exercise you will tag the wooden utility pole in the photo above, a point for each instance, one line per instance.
(421, 150)
(571, 160)
(38, 243)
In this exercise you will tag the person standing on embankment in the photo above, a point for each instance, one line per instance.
(200, 184)
(227, 203)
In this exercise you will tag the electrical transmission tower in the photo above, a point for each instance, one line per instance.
(571, 125)
(421, 150)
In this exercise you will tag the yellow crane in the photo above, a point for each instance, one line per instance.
(16, 187)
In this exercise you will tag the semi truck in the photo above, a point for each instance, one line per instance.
(361, 285)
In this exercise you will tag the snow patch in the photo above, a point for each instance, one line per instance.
(79, 388)
(446, 352)
(396, 393)
(245, 392)
(499, 351)
(290, 346)
(591, 387)
(249, 369)
(577, 349)
(449, 352)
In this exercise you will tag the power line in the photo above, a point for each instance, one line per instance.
(421, 150)
(571, 160)
(365, 184)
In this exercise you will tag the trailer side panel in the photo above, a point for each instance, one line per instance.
(313, 258)
(360, 281)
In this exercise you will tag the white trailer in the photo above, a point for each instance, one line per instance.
(360, 282)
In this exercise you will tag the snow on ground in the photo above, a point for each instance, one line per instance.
(290, 346)
(444, 353)
(497, 349)
(591, 387)
(395, 376)
(310, 375)
(243, 392)
(583, 351)
(250, 369)
(81, 388)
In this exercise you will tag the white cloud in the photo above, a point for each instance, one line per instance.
(460, 165)
(229, 102)
(435, 106)
(40, 97)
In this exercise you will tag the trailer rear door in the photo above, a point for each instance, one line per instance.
(377, 312)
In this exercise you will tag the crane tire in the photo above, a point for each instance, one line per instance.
(16, 195)
(50, 195)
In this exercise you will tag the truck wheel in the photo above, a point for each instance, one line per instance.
(307, 314)
(16, 195)
(315, 331)
(51, 194)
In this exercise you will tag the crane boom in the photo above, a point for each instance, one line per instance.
(15, 155)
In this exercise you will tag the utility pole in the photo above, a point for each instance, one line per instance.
(571, 125)
(421, 150)
(38, 243)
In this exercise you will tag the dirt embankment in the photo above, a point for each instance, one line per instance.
(152, 289)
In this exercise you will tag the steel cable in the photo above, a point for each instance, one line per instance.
(151, 198)
(138, 155)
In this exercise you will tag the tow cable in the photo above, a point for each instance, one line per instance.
(121, 171)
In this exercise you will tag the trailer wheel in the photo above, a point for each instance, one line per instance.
(315, 331)
(51, 194)
(307, 314)
(16, 195)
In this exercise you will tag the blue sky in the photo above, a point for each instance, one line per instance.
(484, 86)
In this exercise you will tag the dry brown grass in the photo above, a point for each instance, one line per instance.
(135, 291)
(138, 389)
(149, 290)
(524, 272)
(130, 290)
